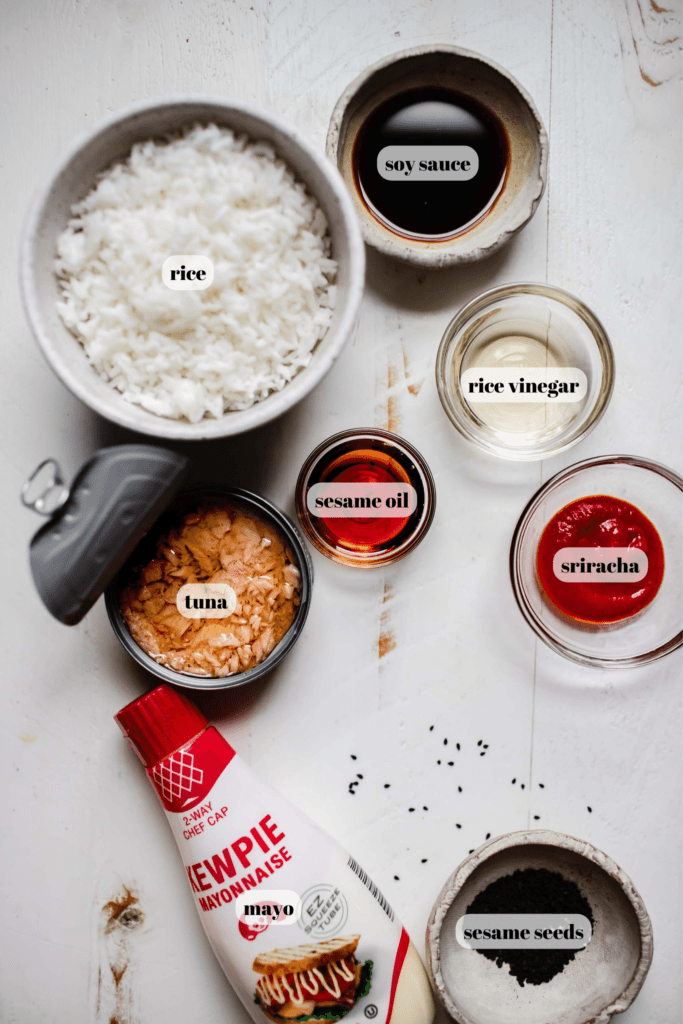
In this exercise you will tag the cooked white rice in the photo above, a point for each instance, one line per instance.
(189, 354)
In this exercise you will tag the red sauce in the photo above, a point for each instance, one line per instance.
(364, 533)
(372, 463)
(600, 521)
(347, 519)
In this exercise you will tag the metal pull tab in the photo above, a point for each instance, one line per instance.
(45, 491)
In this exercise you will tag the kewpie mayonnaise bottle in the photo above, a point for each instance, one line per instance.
(298, 927)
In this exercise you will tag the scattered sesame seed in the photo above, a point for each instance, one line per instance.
(431, 728)
(438, 762)
(482, 753)
(411, 808)
(386, 785)
(488, 835)
(590, 810)
(486, 746)
(424, 860)
(459, 789)
(353, 757)
(541, 785)
(359, 776)
(445, 743)
(458, 746)
(522, 785)
(537, 817)
(471, 851)
(458, 826)
(396, 878)
(425, 808)
(513, 781)
(450, 764)
(479, 743)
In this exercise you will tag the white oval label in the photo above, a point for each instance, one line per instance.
(427, 163)
(556, 384)
(187, 273)
(206, 600)
(361, 500)
(523, 931)
(600, 565)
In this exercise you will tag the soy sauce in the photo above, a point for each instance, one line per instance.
(431, 117)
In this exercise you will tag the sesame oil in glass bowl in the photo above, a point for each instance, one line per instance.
(371, 457)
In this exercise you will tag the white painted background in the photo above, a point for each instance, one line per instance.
(79, 821)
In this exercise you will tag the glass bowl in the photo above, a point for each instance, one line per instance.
(521, 327)
(360, 448)
(645, 637)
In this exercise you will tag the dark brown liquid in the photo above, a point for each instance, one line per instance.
(431, 117)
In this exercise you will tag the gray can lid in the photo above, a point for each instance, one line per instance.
(113, 501)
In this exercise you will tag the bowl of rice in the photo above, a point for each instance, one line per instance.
(192, 177)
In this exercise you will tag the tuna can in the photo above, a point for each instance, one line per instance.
(109, 518)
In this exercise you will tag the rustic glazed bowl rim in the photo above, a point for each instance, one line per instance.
(516, 577)
(449, 252)
(452, 404)
(539, 837)
(114, 407)
(285, 526)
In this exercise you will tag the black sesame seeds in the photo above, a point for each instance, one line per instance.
(531, 891)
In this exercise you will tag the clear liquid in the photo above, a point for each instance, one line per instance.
(520, 423)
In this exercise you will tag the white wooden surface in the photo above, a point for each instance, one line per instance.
(436, 639)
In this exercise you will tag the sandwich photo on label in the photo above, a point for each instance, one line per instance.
(320, 981)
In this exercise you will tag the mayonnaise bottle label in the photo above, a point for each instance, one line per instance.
(296, 924)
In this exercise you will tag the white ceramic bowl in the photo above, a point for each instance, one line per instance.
(602, 980)
(74, 176)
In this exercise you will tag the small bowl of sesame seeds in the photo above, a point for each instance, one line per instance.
(532, 873)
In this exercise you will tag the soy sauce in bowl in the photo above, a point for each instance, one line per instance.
(429, 163)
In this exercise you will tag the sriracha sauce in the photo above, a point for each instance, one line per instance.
(600, 521)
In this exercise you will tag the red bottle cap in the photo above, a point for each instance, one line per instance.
(159, 722)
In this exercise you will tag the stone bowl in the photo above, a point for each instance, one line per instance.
(603, 979)
(470, 75)
(72, 179)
